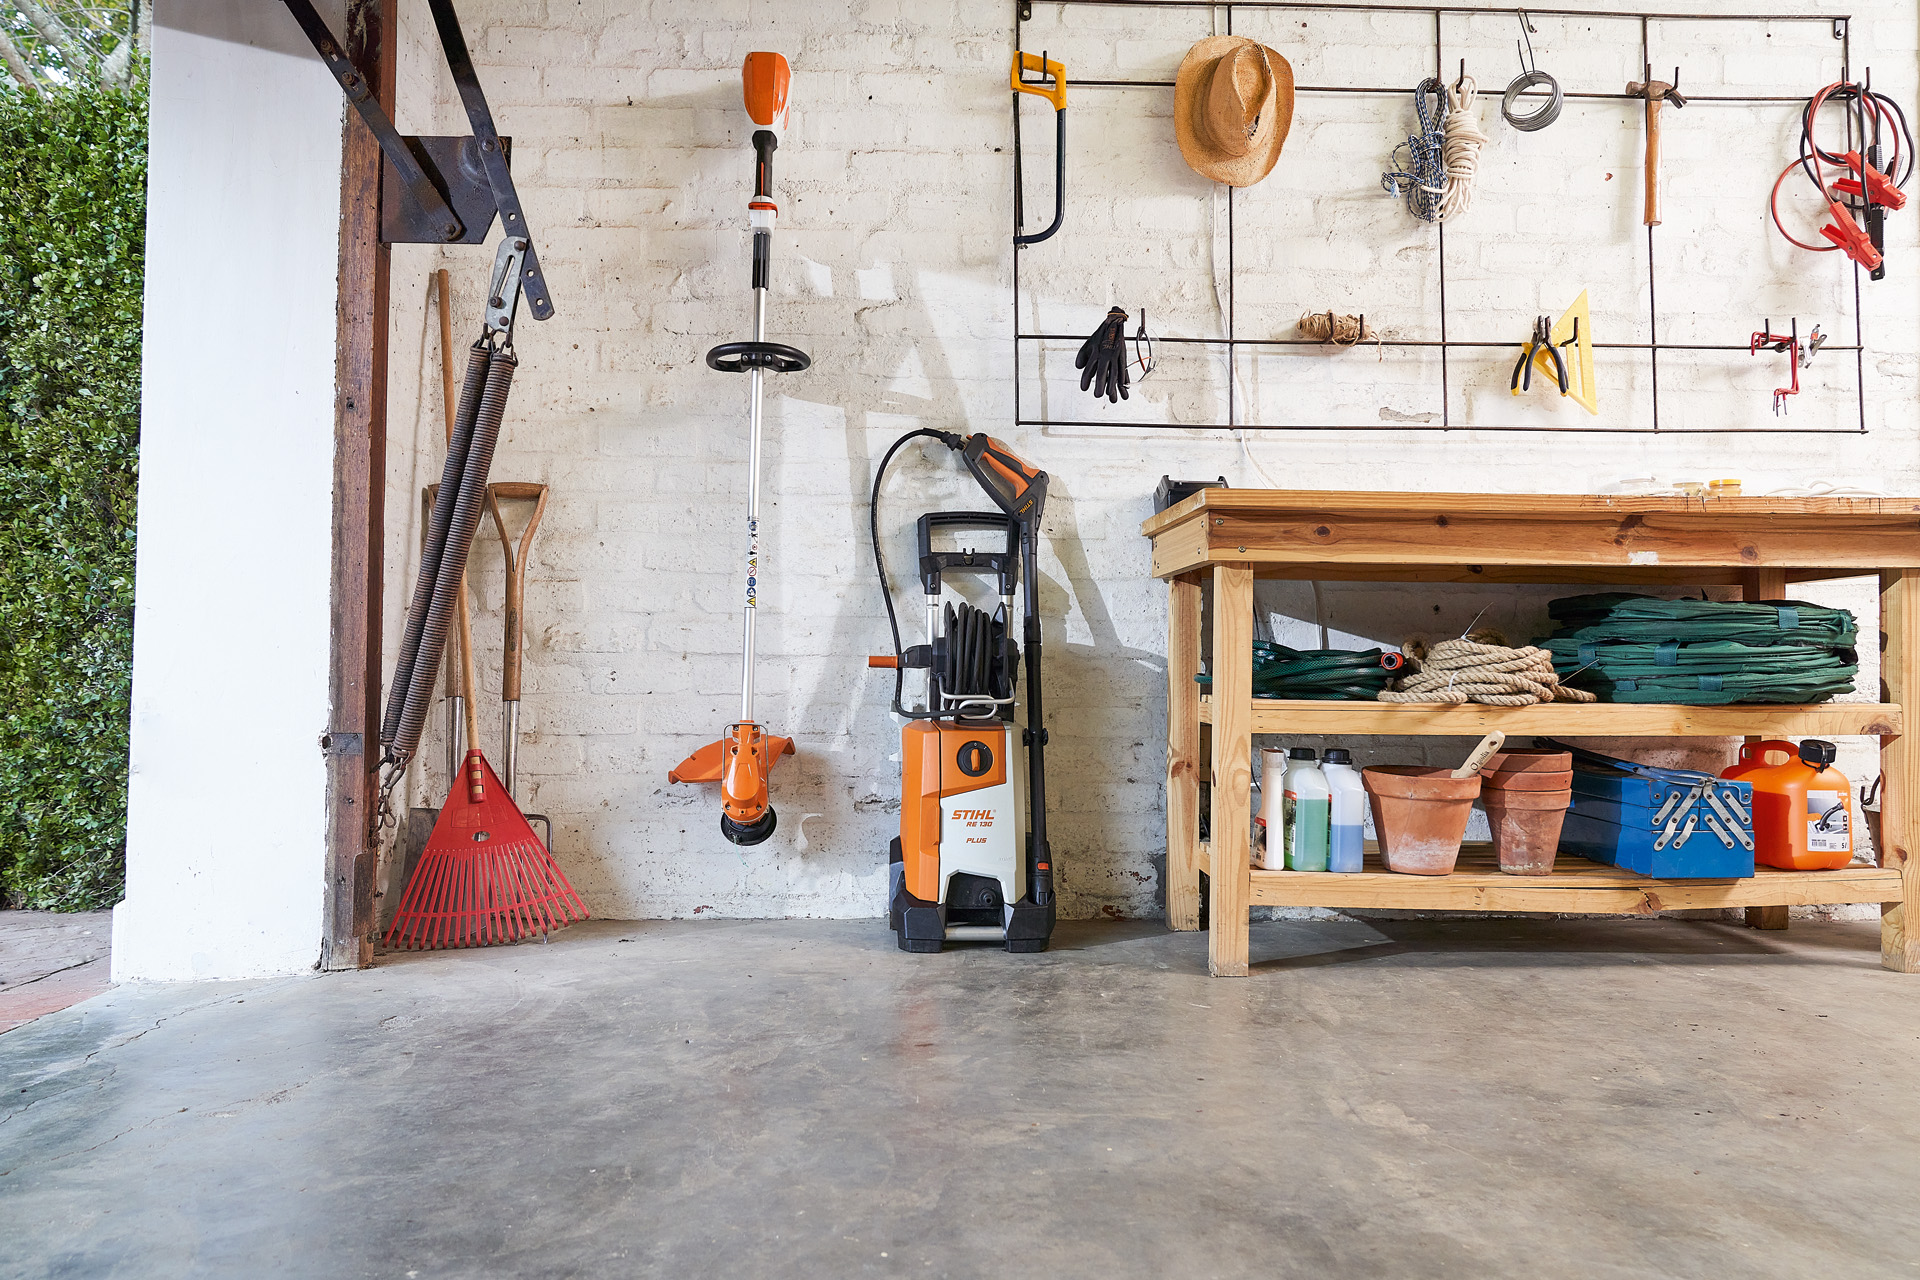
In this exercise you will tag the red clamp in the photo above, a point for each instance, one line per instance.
(1847, 234)
(1765, 339)
(1878, 188)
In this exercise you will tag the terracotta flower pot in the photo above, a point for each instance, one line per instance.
(1528, 760)
(1420, 815)
(1526, 828)
(1560, 781)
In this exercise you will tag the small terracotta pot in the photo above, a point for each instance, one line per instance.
(1420, 815)
(1526, 781)
(1528, 760)
(1526, 828)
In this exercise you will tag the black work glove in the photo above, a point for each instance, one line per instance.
(1103, 358)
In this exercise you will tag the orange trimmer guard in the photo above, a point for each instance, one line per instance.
(740, 763)
(709, 762)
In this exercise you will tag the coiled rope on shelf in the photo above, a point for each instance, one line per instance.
(1476, 669)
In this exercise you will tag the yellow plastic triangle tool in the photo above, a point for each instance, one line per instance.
(1580, 387)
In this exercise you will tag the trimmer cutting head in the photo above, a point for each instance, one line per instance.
(1019, 488)
(765, 77)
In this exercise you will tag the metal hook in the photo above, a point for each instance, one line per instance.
(1527, 31)
(1463, 76)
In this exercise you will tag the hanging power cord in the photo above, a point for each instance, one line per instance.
(952, 441)
(1863, 185)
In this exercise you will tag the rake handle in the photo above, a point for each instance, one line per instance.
(449, 396)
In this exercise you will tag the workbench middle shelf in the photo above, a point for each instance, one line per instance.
(1570, 719)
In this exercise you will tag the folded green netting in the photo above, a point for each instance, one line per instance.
(1618, 616)
(1630, 648)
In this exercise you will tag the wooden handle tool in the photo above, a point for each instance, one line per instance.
(1478, 757)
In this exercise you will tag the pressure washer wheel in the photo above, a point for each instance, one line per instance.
(749, 832)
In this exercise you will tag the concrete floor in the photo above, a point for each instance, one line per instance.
(1477, 1098)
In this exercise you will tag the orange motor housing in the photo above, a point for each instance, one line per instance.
(765, 78)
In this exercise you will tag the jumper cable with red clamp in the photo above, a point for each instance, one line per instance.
(1869, 187)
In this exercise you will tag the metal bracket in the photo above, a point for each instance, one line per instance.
(1839, 28)
(426, 194)
(453, 186)
(492, 154)
(455, 162)
(342, 744)
(503, 292)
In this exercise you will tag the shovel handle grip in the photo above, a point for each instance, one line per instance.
(516, 563)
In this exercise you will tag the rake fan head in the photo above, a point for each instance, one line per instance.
(484, 877)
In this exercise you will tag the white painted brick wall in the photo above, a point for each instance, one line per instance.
(892, 268)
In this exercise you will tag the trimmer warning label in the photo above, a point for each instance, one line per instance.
(1827, 830)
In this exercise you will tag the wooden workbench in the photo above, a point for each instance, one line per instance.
(1219, 540)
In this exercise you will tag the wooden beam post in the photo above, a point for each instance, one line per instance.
(359, 515)
(1768, 583)
(1900, 767)
(1231, 872)
(1183, 754)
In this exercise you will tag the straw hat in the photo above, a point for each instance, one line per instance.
(1232, 106)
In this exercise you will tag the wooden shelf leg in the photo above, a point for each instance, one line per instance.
(1231, 873)
(1900, 767)
(1183, 754)
(1764, 584)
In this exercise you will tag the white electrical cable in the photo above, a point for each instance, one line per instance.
(1460, 152)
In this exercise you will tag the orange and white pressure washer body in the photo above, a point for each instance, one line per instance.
(963, 813)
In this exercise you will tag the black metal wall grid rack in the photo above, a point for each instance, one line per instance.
(1840, 24)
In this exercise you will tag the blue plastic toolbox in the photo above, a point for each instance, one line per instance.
(1671, 824)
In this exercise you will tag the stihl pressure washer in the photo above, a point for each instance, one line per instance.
(971, 862)
(741, 760)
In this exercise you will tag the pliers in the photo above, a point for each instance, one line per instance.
(1522, 379)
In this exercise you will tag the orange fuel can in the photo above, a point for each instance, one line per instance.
(1802, 809)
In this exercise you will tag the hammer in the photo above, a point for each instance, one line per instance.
(1655, 92)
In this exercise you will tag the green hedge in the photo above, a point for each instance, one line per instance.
(73, 192)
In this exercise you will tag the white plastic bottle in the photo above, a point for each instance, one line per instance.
(1347, 837)
(1307, 811)
(1269, 852)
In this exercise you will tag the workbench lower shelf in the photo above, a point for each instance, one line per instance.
(1576, 885)
(1570, 719)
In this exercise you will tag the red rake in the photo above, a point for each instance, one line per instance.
(484, 877)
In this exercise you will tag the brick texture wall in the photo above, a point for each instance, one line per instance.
(892, 267)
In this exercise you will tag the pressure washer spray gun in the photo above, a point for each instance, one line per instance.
(744, 757)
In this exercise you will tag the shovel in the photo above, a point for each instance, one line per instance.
(516, 559)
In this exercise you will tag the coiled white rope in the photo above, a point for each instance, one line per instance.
(1466, 670)
(1460, 152)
